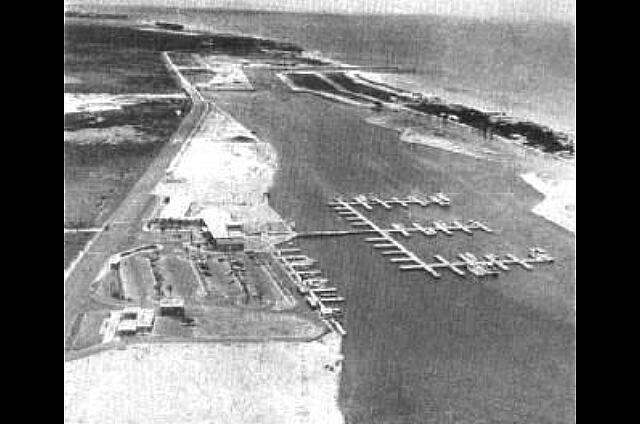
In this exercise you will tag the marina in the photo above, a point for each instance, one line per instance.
(406, 260)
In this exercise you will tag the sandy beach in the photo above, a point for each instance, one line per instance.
(224, 167)
(559, 205)
(274, 382)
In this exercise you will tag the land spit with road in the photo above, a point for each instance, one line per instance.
(212, 169)
(464, 350)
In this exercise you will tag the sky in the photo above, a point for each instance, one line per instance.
(563, 10)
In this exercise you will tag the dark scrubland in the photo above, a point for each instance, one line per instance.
(151, 116)
(132, 37)
(98, 174)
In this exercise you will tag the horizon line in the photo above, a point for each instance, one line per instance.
(489, 18)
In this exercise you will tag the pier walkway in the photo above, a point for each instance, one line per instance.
(407, 260)
(384, 239)
(428, 230)
(368, 202)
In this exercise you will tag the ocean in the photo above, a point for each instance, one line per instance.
(526, 69)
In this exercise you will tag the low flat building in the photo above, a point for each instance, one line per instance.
(127, 327)
(145, 320)
(172, 306)
(222, 231)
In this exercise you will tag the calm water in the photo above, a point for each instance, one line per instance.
(526, 69)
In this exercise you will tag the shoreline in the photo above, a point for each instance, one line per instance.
(559, 203)
(559, 191)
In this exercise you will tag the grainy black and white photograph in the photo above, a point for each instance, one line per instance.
(319, 211)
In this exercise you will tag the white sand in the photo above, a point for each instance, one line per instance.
(215, 170)
(410, 135)
(75, 102)
(559, 205)
(228, 74)
(263, 383)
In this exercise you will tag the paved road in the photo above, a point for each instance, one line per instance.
(126, 220)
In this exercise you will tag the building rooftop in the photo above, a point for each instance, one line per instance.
(128, 325)
(172, 302)
(145, 319)
(220, 223)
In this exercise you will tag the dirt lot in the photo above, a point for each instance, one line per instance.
(106, 151)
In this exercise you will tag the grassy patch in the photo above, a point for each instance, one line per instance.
(97, 177)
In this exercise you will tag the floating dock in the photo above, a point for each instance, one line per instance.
(403, 229)
(491, 265)
(318, 295)
(408, 261)
(368, 202)
(383, 240)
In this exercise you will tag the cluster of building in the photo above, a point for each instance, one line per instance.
(223, 232)
(134, 320)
